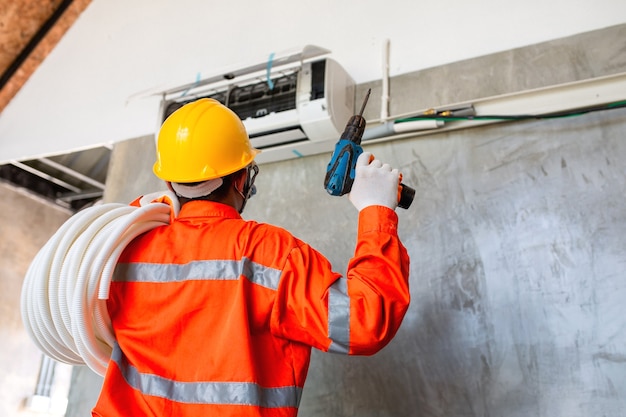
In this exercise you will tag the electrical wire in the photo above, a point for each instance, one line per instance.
(63, 301)
(448, 116)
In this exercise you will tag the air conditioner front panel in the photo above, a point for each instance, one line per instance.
(317, 122)
(340, 95)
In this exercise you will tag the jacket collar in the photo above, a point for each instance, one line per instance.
(202, 208)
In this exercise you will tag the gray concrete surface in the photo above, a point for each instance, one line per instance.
(25, 225)
(517, 245)
(516, 241)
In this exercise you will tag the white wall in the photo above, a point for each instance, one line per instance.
(79, 97)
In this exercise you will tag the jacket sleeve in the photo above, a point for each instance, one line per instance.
(357, 314)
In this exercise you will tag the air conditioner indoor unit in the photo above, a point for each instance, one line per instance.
(291, 106)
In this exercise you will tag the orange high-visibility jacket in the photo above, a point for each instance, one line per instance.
(216, 316)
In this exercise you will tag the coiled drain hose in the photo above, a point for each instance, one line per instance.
(63, 302)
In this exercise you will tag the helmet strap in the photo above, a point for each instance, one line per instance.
(248, 188)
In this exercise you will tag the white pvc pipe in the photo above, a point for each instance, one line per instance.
(62, 302)
(384, 105)
(416, 125)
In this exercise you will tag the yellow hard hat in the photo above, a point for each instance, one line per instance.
(200, 141)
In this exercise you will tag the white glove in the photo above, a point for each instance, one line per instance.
(375, 184)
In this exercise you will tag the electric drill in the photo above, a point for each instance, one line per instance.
(341, 168)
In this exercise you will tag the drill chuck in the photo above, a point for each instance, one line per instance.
(354, 129)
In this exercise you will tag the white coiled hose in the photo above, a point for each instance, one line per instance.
(63, 302)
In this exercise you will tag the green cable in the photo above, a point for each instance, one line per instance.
(610, 106)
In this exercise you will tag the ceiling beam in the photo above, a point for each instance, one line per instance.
(33, 42)
(25, 63)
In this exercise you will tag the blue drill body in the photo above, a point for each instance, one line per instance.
(341, 168)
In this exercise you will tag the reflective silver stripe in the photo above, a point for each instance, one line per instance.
(198, 270)
(221, 393)
(339, 316)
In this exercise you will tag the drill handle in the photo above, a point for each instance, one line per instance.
(341, 168)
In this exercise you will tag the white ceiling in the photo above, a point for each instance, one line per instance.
(82, 95)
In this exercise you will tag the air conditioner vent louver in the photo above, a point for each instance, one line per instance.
(286, 136)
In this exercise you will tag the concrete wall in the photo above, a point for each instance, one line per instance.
(25, 225)
(516, 241)
(517, 248)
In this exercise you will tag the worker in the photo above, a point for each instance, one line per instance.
(215, 315)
